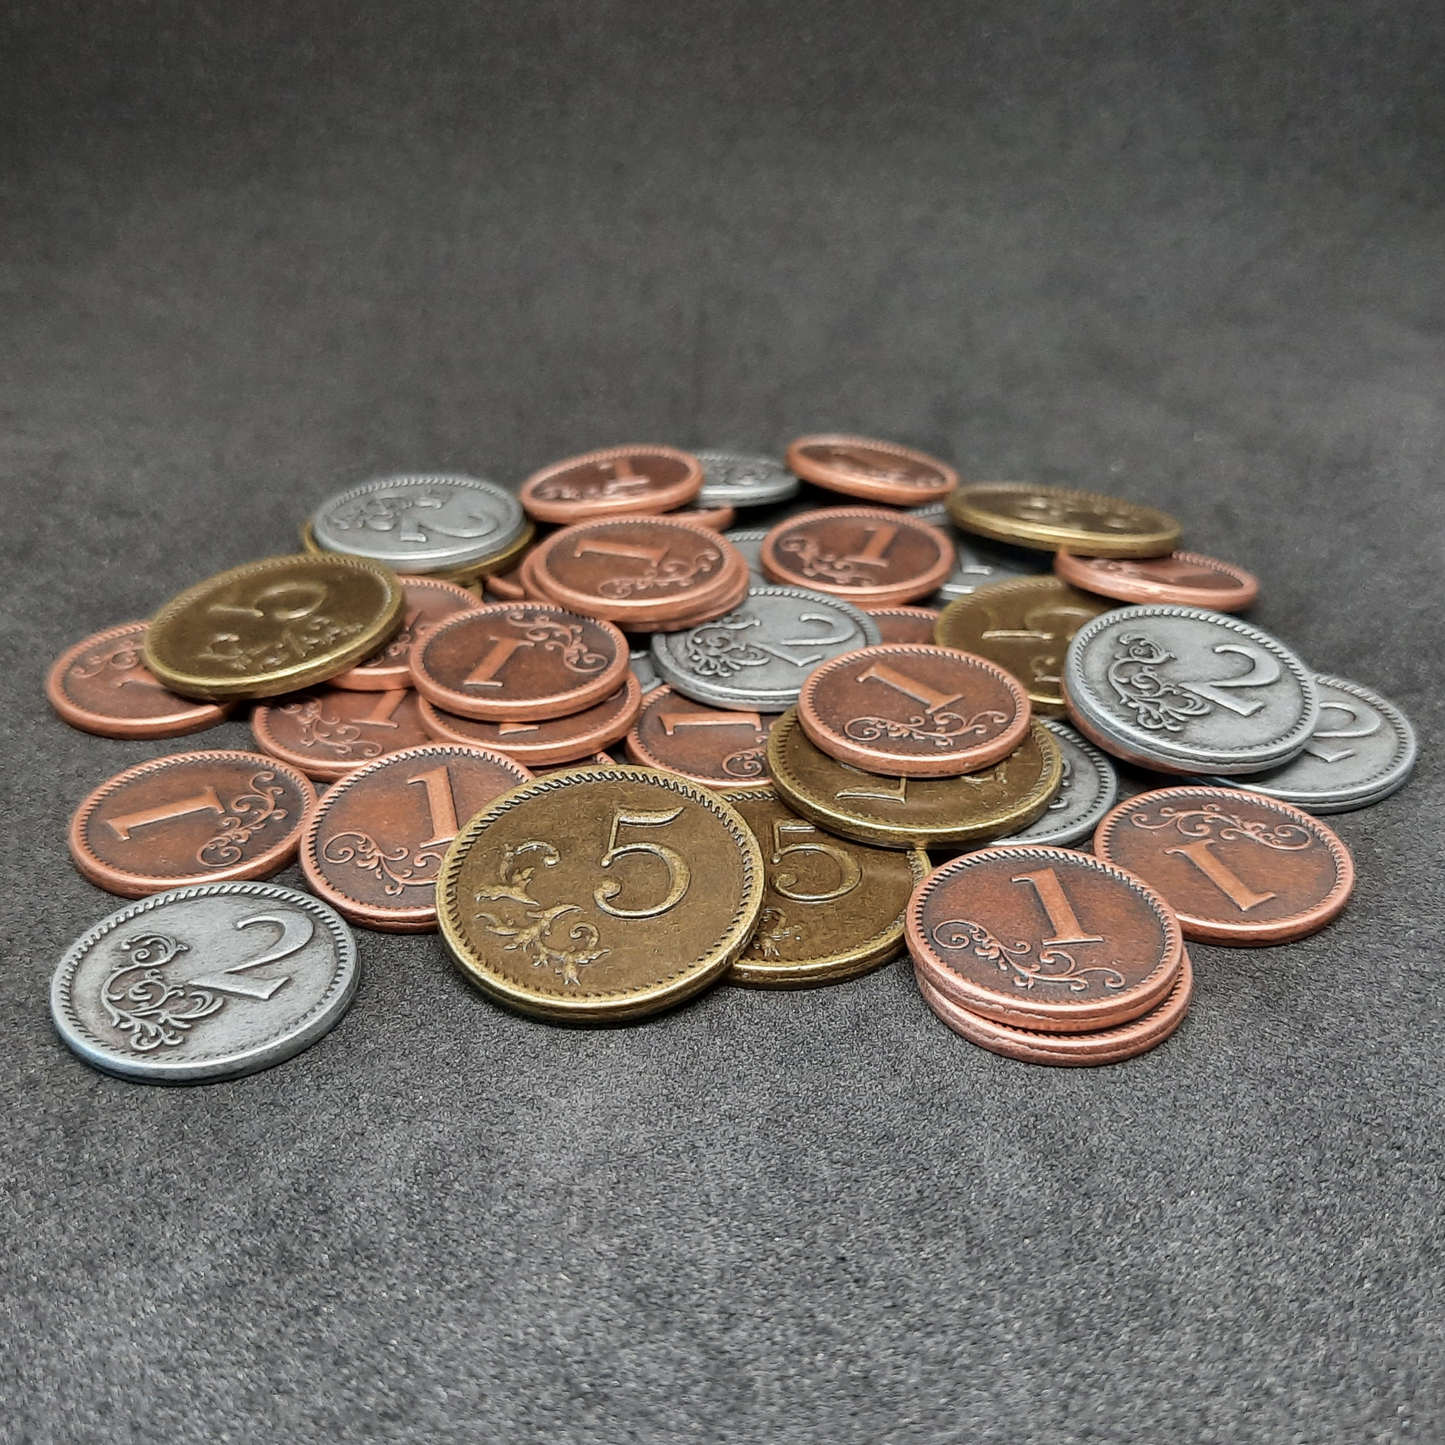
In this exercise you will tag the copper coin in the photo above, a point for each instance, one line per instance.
(1044, 938)
(190, 818)
(548, 740)
(907, 709)
(1238, 868)
(506, 587)
(905, 624)
(428, 602)
(712, 746)
(871, 557)
(1189, 579)
(526, 576)
(605, 760)
(331, 731)
(875, 471)
(612, 482)
(718, 605)
(373, 845)
(1099, 1046)
(103, 686)
(715, 519)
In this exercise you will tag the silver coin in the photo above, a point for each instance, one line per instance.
(203, 983)
(1362, 751)
(977, 565)
(643, 669)
(420, 523)
(739, 479)
(760, 654)
(749, 541)
(934, 512)
(1090, 788)
(1187, 690)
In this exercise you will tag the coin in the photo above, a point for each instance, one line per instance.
(549, 740)
(757, 656)
(1189, 579)
(1236, 867)
(872, 557)
(640, 660)
(720, 748)
(428, 601)
(506, 587)
(189, 818)
(600, 894)
(904, 624)
(612, 482)
(1025, 627)
(749, 542)
(1362, 750)
(904, 812)
(1090, 787)
(976, 565)
(518, 662)
(102, 686)
(715, 519)
(1044, 938)
(273, 626)
(1184, 690)
(832, 909)
(373, 846)
(740, 479)
(934, 512)
(1058, 519)
(875, 471)
(204, 983)
(329, 732)
(908, 709)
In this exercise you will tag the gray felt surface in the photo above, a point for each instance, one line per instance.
(1188, 253)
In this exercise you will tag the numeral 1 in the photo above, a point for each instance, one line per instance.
(380, 715)
(875, 549)
(484, 674)
(441, 805)
(896, 794)
(206, 802)
(1221, 875)
(900, 682)
(1066, 926)
(672, 721)
(651, 555)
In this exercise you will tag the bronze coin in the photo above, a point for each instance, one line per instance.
(506, 587)
(604, 760)
(1044, 938)
(908, 709)
(715, 519)
(546, 740)
(715, 747)
(518, 662)
(428, 602)
(1189, 579)
(612, 482)
(331, 731)
(832, 909)
(102, 686)
(876, 471)
(374, 844)
(872, 557)
(190, 818)
(1238, 868)
(1057, 519)
(905, 624)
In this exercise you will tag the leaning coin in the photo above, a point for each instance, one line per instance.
(740, 479)
(904, 624)
(273, 626)
(600, 894)
(428, 602)
(758, 656)
(1089, 789)
(832, 910)
(976, 565)
(1184, 690)
(329, 732)
(1059, 519)
(722, 748)
(1189, 579)
(872, 470)
(749, 542)
(872, 557)
(188, 818)
(204, 983)
(612, 482)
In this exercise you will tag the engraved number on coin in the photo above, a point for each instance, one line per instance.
(296, 932)
(658, 573)
(440, 803)
(853, 569)
(1221, 875)
(1053, 964)
(896, 794)
(1050, 623)
(206, 802)
(298, 627)
(283, 602)
(1263, 671)
(679, 875)
(484, 674)
(849, 873)
(719, 649)
(1338, 755)
(941, 728)
(1063, 920)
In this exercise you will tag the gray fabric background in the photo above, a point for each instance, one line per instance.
(1190, 253)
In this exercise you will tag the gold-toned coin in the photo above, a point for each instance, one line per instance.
(914, 812)
(473, 573)
(273, 626)
(1024, 626)
(833, 909)
(599, 894)
(1059, 519)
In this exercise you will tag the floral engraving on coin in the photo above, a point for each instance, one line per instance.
(815, 561)
(1212, 821)
(1053, 965)
(247, 815)
(1158, 704)
(773, 930)
(397, 514)
(123, 656)
(565, 639)
(1066, 786)
(148, 1009)
(387, 868)
(316, 730)
(746, 763)
(625, 484)
(865, 466)
(1064, 512)
(947, 729)
(665, 572)
(295, 643)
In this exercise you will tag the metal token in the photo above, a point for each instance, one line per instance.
(204, 983)
(1185, 690)
(1089, 789)
(1060, 519)
(749, 542)
(428, 602)
(1188, 579)
(758, 656)
(612, 482)
(715, 519)
(872, 470)
(933, 512)
(329, 732)
(904, 624)
(722, 748)
(640, 660)
(977, 565)
(739, 479)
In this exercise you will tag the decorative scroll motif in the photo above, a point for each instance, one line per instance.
(118, 657)
(149, 1010)
(565, 639)
(1053, 965)
(773, 930)
(247, 814)
(1066, 786)
(718, 649)
(671, 572)
(557, 490)
(1061, 512)
(395, 871)
(295, 642)
(863, 465)
(1156, 703)
(316, 730)
(1212, 821)
(948, 728)
(813, 561)
(532, 933)
(745, 763)
(399, 514)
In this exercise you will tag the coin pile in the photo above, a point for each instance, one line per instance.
(808, 707)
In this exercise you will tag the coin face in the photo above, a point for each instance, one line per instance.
(749, 543)
(273, 626)
(907, 709)
(871, 557)
(904, 624)
(1089, 788)
(1061, 519)
(722, 748)
(329, 732)
(373, 846)
(1024, 626)
(1188, 579)
(876, 471)
(1044, 938)
(103, 686)
(428, 602)
(978, 565)
(612, 482)
(740, 479)
(600, 893)
(1185, 690)
(832, 909)
(204, 983)
(1236, 867)
(188, 818)
(758, 656)
(908, 812)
